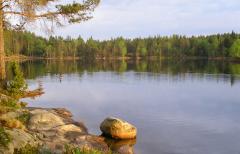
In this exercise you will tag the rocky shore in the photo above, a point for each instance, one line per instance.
(54, 129)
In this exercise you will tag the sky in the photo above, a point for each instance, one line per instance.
(143, 18)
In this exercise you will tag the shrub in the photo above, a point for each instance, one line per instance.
(24, 118)
(10, 103)
(17, 86)
(12, 123)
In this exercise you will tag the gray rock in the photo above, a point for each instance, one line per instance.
(68, 128)
(118, 129)
(55, 128)
(52, 129)
(20, 139)
(44, 120)
(13, 114)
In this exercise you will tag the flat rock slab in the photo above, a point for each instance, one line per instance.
(52, 129)
(44, 120)
(55, 128)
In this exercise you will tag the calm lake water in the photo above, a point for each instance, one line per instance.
(179, 107)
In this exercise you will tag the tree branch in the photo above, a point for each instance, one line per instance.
(46, 15)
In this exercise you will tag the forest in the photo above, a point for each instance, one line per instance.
(176, 46)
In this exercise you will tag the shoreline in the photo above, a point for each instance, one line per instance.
(26, 58)
(25, 129)
(51, 129)
(54, 130)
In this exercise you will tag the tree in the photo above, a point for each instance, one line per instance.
(120, 48)
(51, 12)
(141, 49)
(91, 49)
(235, 49)
(177, 46)
(214, 46)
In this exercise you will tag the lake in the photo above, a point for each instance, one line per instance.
(179, 107)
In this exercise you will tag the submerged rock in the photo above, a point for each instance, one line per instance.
(118, 129)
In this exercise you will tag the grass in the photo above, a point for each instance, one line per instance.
(76, 150)
(4, 138)
(28, 149)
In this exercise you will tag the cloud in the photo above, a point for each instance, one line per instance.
(134, 18)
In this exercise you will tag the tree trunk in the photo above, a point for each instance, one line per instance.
(2, 53)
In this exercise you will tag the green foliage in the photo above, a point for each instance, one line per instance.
(7, 106)
(47, 10)
(4, 137)
(17, 86)
(76, 12)
(24, 117)
(70, 8)
(11, 103)
(119, 48)
(141, 49)
(235, 49)
(220, 45)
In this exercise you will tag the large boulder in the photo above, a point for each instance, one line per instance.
(118, 129)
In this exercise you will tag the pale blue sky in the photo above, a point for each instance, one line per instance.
(142, 18)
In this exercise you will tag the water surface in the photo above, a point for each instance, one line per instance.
(179, 107)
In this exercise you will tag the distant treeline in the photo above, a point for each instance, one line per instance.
(213, 46)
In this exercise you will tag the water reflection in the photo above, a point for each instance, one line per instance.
(178, 106)
(173, 69)
(121, 146)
